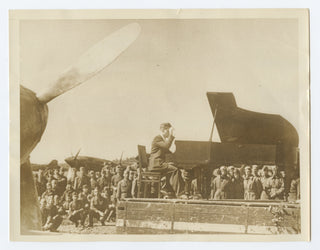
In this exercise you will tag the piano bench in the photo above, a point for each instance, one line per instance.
(147, 179)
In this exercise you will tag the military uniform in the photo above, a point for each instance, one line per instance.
(53, 219)
(80, 181)
(237, 188)
(115, 180)
(265, 192)
(250, 188)
(65, 194)
(76, 212)
(98, 205)
(135, 187)
(276, 186)
(47, 193)
(196, 189)
(294, 193)
(124, 189)
(220, 188)
(104, 181)
(93, 183)
(257, 180)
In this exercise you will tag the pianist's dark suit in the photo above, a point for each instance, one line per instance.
(159, 149)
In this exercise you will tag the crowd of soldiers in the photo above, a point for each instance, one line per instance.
(82, 197)
(251, 183)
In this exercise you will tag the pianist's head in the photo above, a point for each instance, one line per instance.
(165, 129)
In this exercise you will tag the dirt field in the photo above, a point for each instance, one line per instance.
(109, 228)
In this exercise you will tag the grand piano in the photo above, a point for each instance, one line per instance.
(247, 137)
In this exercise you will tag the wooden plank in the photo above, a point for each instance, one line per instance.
(215, 217)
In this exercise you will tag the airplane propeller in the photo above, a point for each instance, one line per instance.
(34, 111)
(76, 156)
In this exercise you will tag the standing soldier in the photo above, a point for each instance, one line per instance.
(237, 186)
(264, 180)
(249, 185)
(117, 177)
(81, 180)
(92, 180)
(294, 192)
(220, 187)
(135, 184)
(256, 178)
(71, 176)
(276, 185)
(230, 173)
(105, 180)
(124, 187)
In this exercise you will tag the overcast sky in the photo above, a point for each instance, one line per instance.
(162, 77)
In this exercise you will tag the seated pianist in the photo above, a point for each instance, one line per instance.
(159, 148)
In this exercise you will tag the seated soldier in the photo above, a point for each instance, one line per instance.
(66, 203)
(53, 217)
(99, 208)
(84, 198)
(48, 192)
(68, 192)
(76, 210)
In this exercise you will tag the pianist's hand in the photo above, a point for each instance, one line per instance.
(171, 131)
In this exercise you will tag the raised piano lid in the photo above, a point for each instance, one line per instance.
(236, 125)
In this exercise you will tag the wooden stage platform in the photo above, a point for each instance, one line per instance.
(150, 216)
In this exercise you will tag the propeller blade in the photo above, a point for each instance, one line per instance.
(92, 61)
(77, 154)
(121, 158)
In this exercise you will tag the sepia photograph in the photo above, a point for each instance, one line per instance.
(159, 123)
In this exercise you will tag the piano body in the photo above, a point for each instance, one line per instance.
(247, 137)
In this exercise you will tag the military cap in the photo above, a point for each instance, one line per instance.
(230, 168)
(216, 172)
(247, 167)
(274, 167)
(223, 168)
